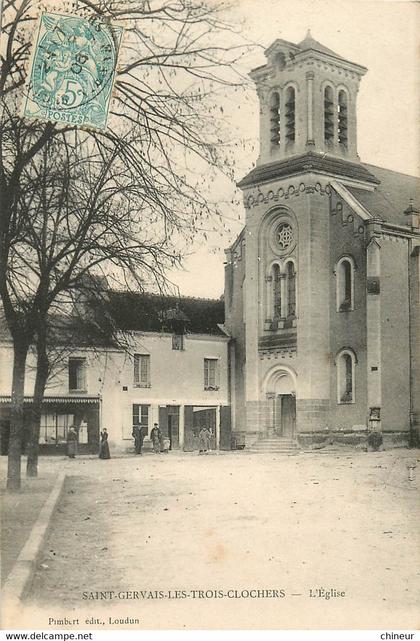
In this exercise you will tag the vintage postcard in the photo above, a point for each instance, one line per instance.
(210, 321)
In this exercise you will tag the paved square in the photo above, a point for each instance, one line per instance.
(213, 529)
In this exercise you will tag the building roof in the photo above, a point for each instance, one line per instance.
(391, 197)
(153, 313)
(310, 43)
(134, 311)
(91, 330)
(394, 192)
(309, 162)
(307, 44)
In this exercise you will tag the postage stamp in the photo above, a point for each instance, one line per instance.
(72, 71)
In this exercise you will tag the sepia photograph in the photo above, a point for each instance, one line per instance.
(209, 315)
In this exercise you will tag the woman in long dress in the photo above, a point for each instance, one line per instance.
(103, 446)
(71, 442)
(156, 438)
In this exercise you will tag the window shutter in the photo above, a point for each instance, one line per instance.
(144, 369)
(213, 373)
(136, 414)
(290, 115)
(136, 369)
(206, 372)
(342, 118)
(328, 115)
(275, 119)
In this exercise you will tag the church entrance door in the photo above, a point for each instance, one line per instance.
(286, 415)
(280, 390)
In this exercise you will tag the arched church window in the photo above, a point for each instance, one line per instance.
(291, 289)
(346, 376)
(342, 118)
(328, 115)
(345, 284)
(276, 292)
(290, 115)
(275, 119)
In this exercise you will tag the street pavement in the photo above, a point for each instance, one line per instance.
(233, 540)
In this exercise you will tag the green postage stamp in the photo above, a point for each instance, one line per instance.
(72, 71)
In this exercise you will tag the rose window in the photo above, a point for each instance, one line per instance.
(284, 235)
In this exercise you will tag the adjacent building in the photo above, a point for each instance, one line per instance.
(170, 367)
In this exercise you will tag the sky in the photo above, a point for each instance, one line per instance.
(380, 35)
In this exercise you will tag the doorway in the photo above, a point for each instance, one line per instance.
(285, 418)
(280, 391)
(173, 426)
(169, 424)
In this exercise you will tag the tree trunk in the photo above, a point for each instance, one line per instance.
(42, 370)
(16, 415)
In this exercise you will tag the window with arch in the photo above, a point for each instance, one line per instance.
(346, 361)
(342, 118)
(345, 284)
(277, 302)
(291, 289)
(275, 119)
(328, 115)
(290, 115)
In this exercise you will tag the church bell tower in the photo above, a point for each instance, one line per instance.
(307, 99)
(287, 266)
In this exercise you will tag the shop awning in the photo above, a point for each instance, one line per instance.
(85, 399)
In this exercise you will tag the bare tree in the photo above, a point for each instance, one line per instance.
(80, 318)
(120, 201)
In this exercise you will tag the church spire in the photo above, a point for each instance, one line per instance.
(308, 97)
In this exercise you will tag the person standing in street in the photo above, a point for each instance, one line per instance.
(138, 438)
(203, 440)
(71, 442)
(156, 438)
(104, 446)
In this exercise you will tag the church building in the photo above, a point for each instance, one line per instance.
(322, 284)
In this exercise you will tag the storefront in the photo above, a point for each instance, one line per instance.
(58, 414)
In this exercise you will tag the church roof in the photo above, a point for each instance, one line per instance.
(307, 44)
(391, 197)
(309, 162)
(310, 43)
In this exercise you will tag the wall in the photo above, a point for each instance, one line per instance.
(395, 334)
(306, 198)
(177, 378)
(235, 286)
(415, 338)
(348, 329)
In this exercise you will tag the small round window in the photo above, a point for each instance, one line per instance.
(284, 235)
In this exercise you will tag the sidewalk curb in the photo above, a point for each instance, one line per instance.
(19, 581)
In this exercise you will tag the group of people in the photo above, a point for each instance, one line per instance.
(72, 441)
(159, 442)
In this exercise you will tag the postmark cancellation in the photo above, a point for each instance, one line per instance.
(72, 70)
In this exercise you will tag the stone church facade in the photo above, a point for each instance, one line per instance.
(322, 285)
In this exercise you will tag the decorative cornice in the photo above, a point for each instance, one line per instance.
(347, 68)
(270, 196)
(310, 162)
